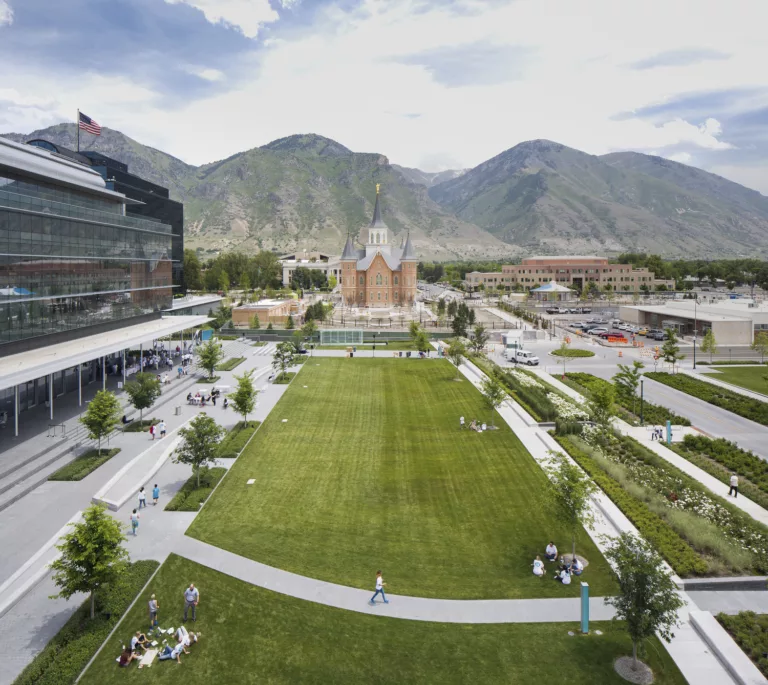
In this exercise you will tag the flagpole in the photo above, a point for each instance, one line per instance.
(78, 130)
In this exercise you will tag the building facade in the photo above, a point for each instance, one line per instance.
(576, 272)
(378, 274)
(329, 265)
(268, 311)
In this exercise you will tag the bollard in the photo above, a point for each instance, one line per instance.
(585, 608)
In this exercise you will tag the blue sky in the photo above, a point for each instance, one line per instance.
(433, 84)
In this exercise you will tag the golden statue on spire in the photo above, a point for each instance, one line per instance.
(378, 185)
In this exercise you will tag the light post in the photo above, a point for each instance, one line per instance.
(374, 344)
(695, 325)
(642, 418)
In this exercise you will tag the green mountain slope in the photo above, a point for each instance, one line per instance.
(545, 196)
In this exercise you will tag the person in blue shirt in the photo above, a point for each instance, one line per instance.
(155, 494)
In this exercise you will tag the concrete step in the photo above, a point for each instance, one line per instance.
(31, 476)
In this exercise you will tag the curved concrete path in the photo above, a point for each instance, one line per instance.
(400, 606)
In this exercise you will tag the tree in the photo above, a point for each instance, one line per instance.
(592, 289)
(210, 355)
(670, 350)
(199, 443)
(309, 329)
(245, 282)
(479, 338)
(709, 344)
(193, 277)
(601, 406)
(223, 282)
(456, 353)
(627, 380)
(648, 601)
(332, 282)
(413, 330)
(283, 357)
(297, 342)
(255, 323)
(493, 392)
(459, 326)
(453, 307)
(142, 391)
(760, 344)
(243, 400)
(92, 556)
(289, 324)
(422, 341)
(570, 491)
(102, 415)
(440, 307)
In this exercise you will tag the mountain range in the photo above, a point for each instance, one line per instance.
(308, 192)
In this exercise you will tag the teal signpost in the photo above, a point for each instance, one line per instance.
(585, 608)
(669, 432)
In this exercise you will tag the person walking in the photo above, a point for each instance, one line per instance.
(155, 494)
(162, 428)
(153, 607)
(379, 589)
(135, 521)
(142, 497)
(152, 431)
(191, 599)
(734, 486)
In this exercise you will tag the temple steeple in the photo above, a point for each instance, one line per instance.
(378, 232)
(377, 221)
(349, 249)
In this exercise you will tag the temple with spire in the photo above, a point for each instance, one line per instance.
(378, 274)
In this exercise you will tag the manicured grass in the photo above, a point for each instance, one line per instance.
(744, 377)
(137, 426)
(573, 353)
(233, 444)
(371, 471)
(284, 378)
(253, 635)
(209, 380)
(190, 497)
(230, 363)
(750, 631)
(70, 650)
(84, 464)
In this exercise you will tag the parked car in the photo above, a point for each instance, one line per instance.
(656, 335)
(581, 325)
(642, 330)
(597, 331)
(586, 310)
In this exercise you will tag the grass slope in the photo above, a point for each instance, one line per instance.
(744, 377)
(371, 471)
(253, 635)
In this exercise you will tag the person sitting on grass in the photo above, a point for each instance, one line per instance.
(139, 640)
(551, 552)
(172, 652)
(538, 567)
(564, 576)
(186, 638)
(577, 568)
(126, 657)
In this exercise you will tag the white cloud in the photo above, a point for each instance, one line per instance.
(6, 13)
(682, 157)
(248, 15)
(207, 74)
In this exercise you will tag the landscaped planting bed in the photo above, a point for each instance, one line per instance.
(84, 464)
(652, 413)
(139, 426)
(284, 378)
(720, 458)
(230, 364)
(749, 408)
(70, 650)
(726, 539)
(574, 354)
(750, 631)
(233, 444)
(190, 497)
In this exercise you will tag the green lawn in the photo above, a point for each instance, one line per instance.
(744, 377)
(253, 635)
(371, 471)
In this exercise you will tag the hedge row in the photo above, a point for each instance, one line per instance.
(573, 353)
(86, 463)
(680, 556)
(230, 364)
(233, 444)
(652, 413)
(190, 497)
(750, 631)
(70, 650)
(749, 408)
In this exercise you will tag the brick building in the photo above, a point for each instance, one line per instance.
(379, 274)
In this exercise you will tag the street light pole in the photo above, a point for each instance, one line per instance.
(642, 418)
(695, 325)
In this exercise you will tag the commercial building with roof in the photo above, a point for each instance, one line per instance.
(553, 292)
(379, 274)
(268, 311)
(81, 278)
(575, 271)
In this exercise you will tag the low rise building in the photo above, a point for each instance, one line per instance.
(268, 311)
(319, 261)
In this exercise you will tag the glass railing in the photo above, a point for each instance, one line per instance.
(36, 204)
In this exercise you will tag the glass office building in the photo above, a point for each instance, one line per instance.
(73, 262)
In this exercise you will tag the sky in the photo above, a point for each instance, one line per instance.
(432, 84)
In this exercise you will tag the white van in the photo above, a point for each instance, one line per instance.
(522, 357)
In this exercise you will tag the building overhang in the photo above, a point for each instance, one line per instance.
(26, 366)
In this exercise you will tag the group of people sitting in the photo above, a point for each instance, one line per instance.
(203, 399)
(569, 566)
(474, 425)
(140, 643)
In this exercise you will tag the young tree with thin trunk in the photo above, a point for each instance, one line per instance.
(479, 338)
(199, 443)
(709, 344)
(413, 330)
(627, 380)
(243, 400)
(648, 600)
(422, 341)
(92, 556)
(570, 492)
(456, 353)
(289, 323)
(209, 356)
(255, 323)
(601, 406)
(283, 357)
(760, 344)
(670, 350)
(142, 392)
(493, 394)
(102, 415)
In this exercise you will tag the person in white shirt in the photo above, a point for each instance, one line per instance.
(172, 652)
(734, 486)
(461, 422)
(139, 640)
(564, 576)
(142, 497)
(538, 567)
(576, 567)
(379, 589)
(551, 552)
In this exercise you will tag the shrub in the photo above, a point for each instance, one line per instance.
(68, 652)
(573, 353)
(233, 444)
(284, 378)
(749, 408)
(750, 631)
(83, 465)
(190, 497)
(139, 426)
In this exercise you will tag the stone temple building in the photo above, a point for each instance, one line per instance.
(379, 274)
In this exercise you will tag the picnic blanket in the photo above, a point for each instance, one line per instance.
(148, 658)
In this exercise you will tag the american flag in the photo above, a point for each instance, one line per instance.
(88, 124)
